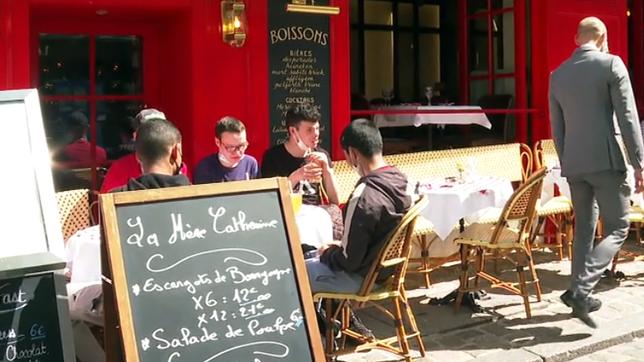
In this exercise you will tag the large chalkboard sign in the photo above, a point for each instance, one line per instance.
(210, 273)
(299, 66)
(30, 316)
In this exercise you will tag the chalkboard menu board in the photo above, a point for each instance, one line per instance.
(210, 273)
(299, 66)
(29, 320)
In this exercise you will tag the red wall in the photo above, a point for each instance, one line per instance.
(554, 24)
(199, 77)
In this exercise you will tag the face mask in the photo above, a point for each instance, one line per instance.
(227, 162)
(300, 144)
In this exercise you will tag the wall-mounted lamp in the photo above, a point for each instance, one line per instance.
(233, 22)
(301, 6)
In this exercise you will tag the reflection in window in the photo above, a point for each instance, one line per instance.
(118, 65)
(64, 72)
(115, 126)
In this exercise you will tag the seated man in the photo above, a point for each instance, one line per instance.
(128, 166)
(230, 163)
(307, 166)
(300, 158)
(78, 152)
(375, 207)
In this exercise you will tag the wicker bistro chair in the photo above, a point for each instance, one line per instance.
(73, 211)
(557, 210)
(512, 161)
(346, 179)
(511, 243)
(392, 258)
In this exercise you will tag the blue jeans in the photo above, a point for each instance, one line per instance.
(323, 279)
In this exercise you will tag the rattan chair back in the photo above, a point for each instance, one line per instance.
(73, 211)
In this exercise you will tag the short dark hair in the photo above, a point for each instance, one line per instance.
(303, 112)
(154, 140)
(363, 135)
(229, 124)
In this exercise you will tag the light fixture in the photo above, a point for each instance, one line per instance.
(233, 22)
(300, 6)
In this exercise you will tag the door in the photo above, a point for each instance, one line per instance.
(98, 76)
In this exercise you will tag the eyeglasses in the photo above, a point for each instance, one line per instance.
(238, 148)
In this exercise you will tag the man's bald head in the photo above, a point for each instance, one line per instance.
(591, 30)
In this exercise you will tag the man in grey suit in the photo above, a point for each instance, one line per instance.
(585, 92)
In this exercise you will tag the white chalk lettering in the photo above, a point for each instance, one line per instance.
(137, 237)
(239, 276)
(278, 327)
(151, 285)
(261, 258)
(186, 338)
(12, 353)
(178, 233)
(238, 223)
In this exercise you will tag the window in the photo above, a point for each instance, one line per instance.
(100, 76)
(395, 48)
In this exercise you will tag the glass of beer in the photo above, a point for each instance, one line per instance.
(296, 201)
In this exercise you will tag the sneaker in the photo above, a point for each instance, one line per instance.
(580, 308)
(356, 325)
(593, 303)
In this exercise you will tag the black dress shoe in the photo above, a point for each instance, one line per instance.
(593, 303)
(580, 308)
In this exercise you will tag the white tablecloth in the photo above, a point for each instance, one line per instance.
(553, 177)
(314, 225)
(450, 202)
(418, 119)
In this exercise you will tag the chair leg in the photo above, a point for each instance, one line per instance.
(463, 282)
(533, 272)
(330, 337)
(480, 261)
(424, 255)
(524, 293)
(559, 235)
(637, 232)
(400, 331)
(412, 323)
(570, 230)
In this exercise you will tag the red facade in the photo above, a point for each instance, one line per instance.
(196, 78)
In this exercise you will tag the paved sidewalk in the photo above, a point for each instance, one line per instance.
(502, 333)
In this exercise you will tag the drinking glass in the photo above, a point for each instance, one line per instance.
(429, 93)
(296, 201)
(388, 96)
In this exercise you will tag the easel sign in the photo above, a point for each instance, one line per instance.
(28, 214)
(210, 273)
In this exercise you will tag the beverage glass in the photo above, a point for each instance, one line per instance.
(296, 201)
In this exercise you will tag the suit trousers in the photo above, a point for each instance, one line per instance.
(611, 193)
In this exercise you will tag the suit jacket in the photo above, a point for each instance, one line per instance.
(585, 92)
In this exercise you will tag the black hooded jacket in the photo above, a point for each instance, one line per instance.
(154, 181)
(376, 206)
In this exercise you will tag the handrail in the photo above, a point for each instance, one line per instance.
(359, 112)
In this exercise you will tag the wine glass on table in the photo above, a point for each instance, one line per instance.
(429, 93)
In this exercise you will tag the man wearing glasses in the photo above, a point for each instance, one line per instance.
(230, 163)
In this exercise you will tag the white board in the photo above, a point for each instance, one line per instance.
(28, 211)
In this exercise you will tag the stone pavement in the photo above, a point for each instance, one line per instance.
(502, 333)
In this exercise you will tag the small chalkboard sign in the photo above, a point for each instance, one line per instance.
(210, 273)
(30, 320)
(299, 66)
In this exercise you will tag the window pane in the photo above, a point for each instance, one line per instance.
(64, 64)
(405, 14)
(378, 63)
(353, 12)
(504, 86)
(114, 126)
(504, 43)
(478, 46)
(475, 6)
(119, 65)
(405, 67)
(56, 121)
(500, 4)
(378, 12)
(478, 88)
(429, 16)
(356, 65)
(430, 61)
